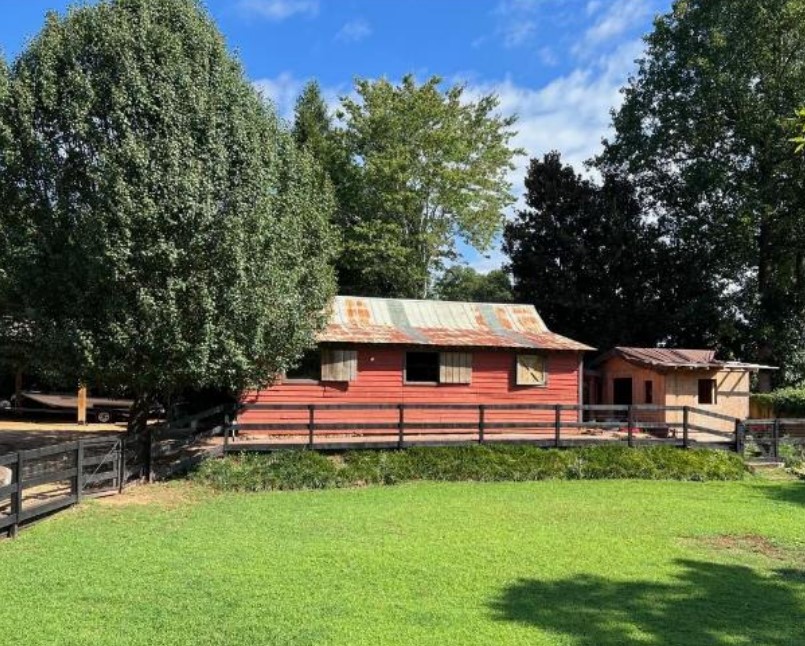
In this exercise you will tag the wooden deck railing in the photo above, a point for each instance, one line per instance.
(383, 425)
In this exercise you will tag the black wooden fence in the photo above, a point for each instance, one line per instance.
(47, 479)
(344, 426)
(763, 438)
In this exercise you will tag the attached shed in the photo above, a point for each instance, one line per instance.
(672, 377)
(399, 351)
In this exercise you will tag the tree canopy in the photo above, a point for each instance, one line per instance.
(704, 134)
(460, 283)
(414, 167)
(583, 254)
(160, 230)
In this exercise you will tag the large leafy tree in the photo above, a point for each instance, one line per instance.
(703, 134)
(460, 283)
(429, 166)
(159, 228)
(585, 256)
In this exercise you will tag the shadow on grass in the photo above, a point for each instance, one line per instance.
(792, 491)
(708, 605)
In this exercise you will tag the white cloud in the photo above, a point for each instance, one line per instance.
(354, 30)
(277, 10)
(619, 17)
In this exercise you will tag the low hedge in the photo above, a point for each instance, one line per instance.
(311, 470)
(787, 402)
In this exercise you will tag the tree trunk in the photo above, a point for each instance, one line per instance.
(139, 414)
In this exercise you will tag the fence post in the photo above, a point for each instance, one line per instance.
(685, 414)
(739, 437)
(149, 454)
(400, 425)
(481, 422)
(557, 425)
(79, 470)
(775, 438)
(226, 432)
(16, 498)
(311, 423)
(630, 427)
(121, 476)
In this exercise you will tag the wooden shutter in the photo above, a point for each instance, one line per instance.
(531, 370)
(455, 367)
(339, 365)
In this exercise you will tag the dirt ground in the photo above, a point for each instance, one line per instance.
(21, 435)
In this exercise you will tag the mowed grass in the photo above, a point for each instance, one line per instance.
(552, 562)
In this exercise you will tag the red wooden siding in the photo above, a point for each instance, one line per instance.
(380, 380)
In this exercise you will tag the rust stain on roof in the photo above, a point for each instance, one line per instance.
(440, 323)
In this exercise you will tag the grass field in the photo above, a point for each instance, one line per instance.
(553, 562)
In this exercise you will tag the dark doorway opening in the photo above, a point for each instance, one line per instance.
(622, 391)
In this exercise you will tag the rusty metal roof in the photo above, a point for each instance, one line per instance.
(355, 319)
(678, 358)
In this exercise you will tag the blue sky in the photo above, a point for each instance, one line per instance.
(557, 64)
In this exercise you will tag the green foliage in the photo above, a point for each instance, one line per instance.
(427, 165)
(583, 254)
(786, 402)
(704, 133)
(307, 470)
(159, 228)
(459, 283)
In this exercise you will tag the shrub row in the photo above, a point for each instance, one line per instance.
(311, 470)
(784, 401)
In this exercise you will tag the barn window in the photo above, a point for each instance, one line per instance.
(339, 365)
(649, 392)
(707, 391)
(307, 369)
(421, 367)
(531, 370)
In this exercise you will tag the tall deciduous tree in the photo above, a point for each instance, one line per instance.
(703, 134)
(161, 230)
(430, 165)
(583, 254)
(459, 283)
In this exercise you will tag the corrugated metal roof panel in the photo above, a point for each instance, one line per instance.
(679, 358)
(440, 323)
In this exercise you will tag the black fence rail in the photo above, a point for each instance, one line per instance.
(763, 438)
(343, 426)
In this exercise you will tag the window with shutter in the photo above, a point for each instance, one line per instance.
(531, 370)
(339, 365)
(455, 367)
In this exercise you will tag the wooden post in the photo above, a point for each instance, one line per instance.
(227, 429)
(16, 498)
(481, 422)
(82, 404)
(121, 478)
(685, 416)
(739, 437)
(775, 438)
(630, 427)
(18, 388)
(557, 425)
(311, 424)
(79, 471)
(400, 425)
(149, 454)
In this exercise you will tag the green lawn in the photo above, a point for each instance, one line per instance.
(554, 562)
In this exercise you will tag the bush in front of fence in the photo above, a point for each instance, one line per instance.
(486, 463)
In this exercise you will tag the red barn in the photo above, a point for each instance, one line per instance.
(397, 351)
